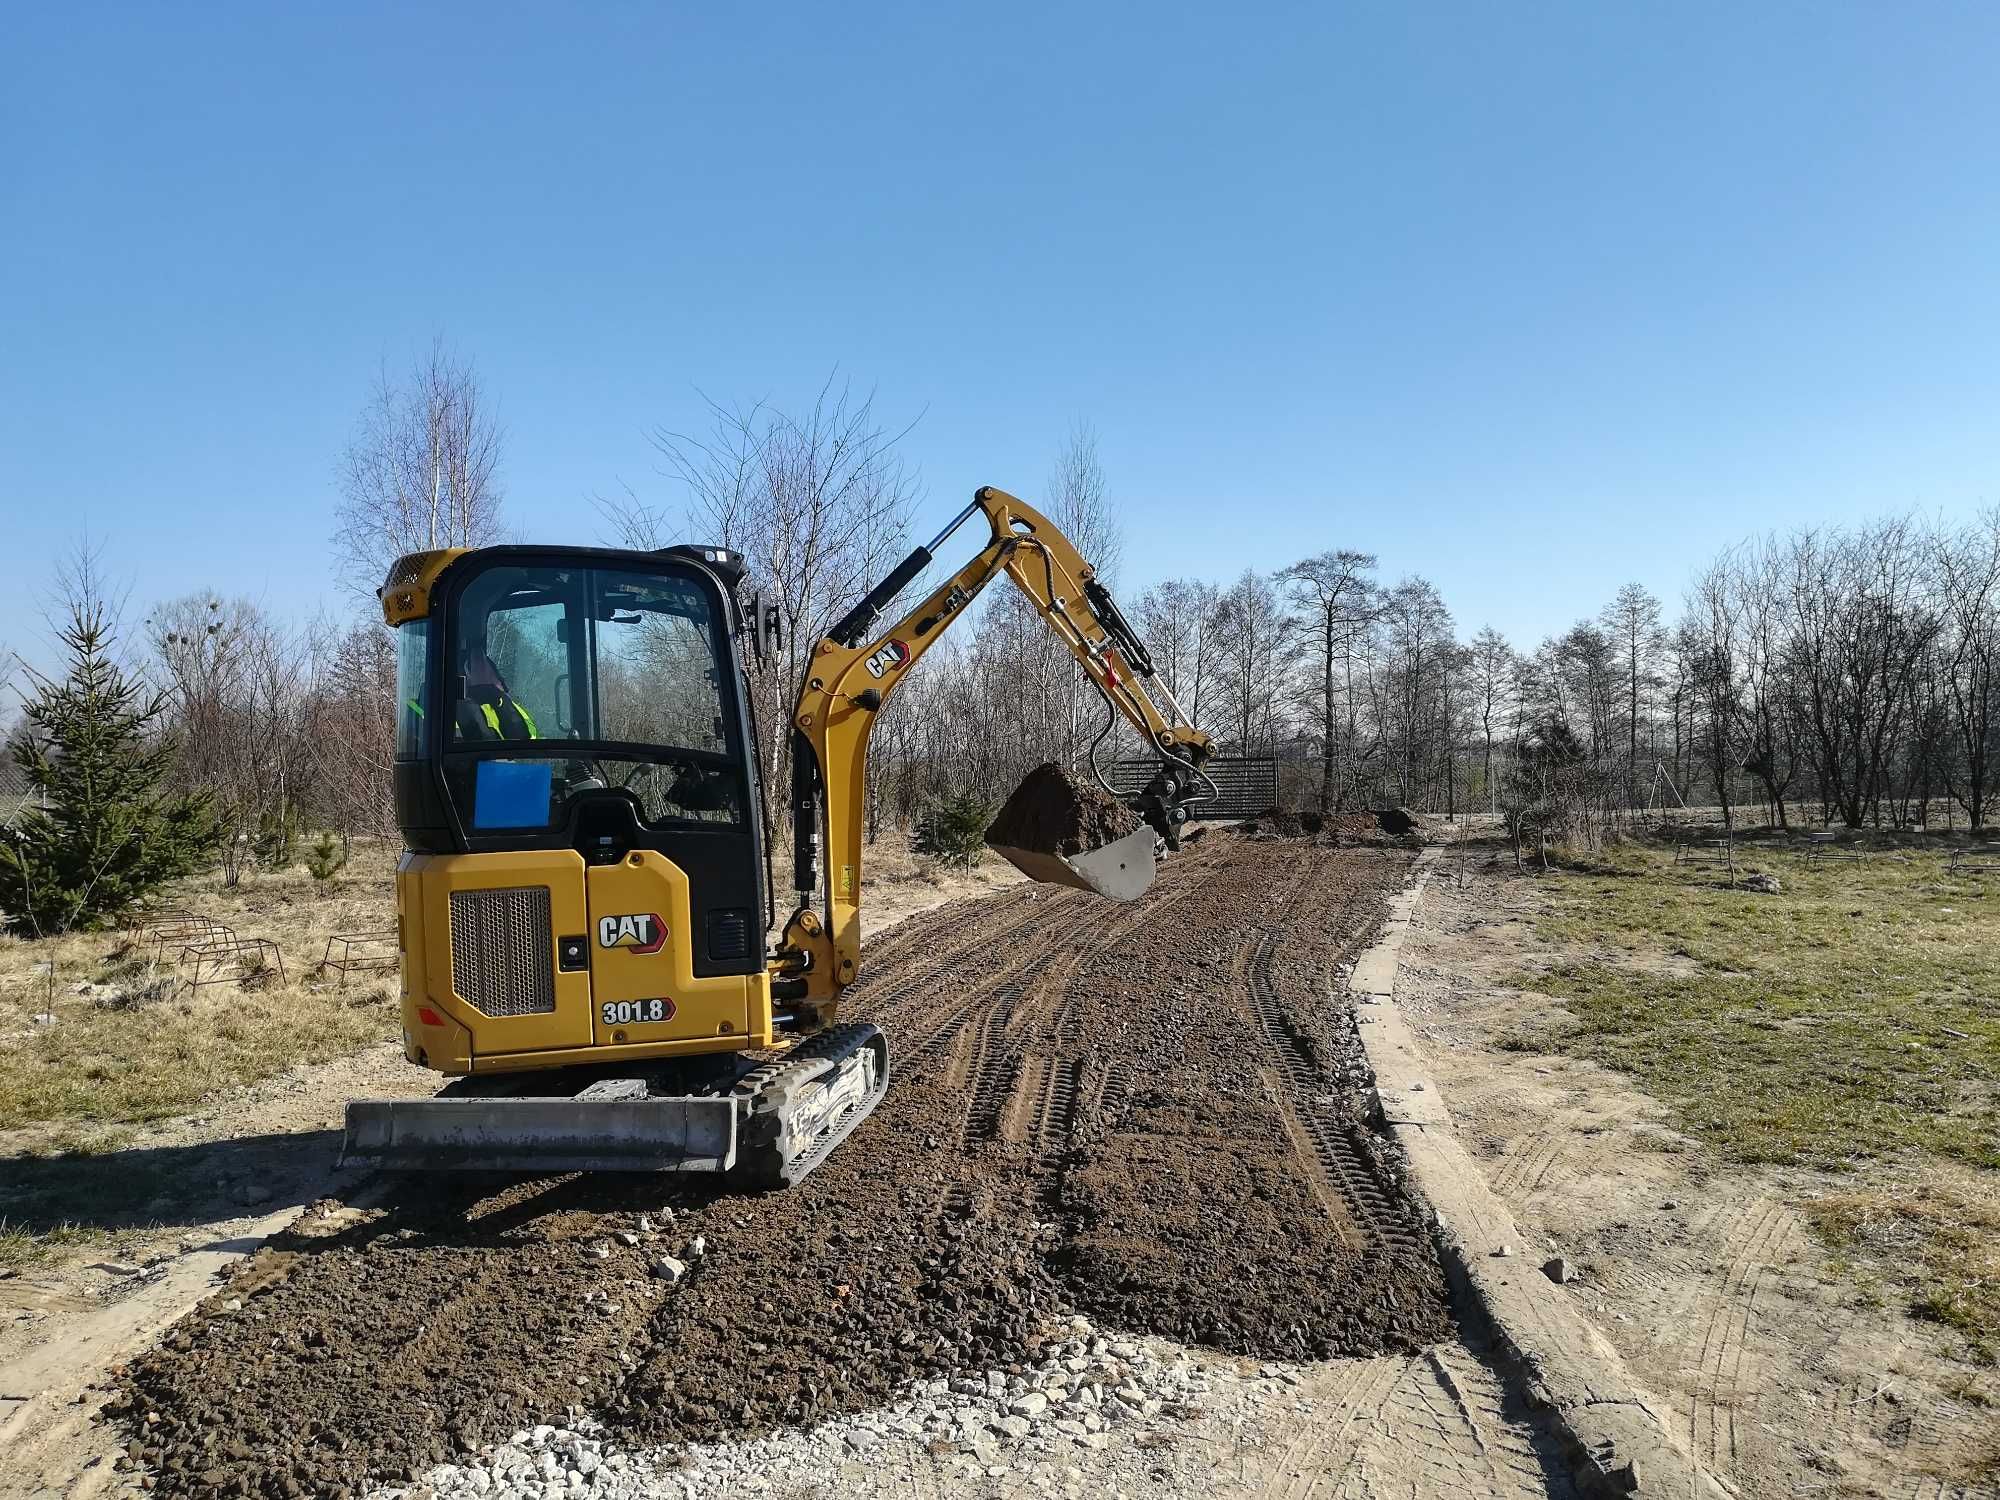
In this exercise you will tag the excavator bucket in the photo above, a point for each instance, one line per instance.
(1057, 829)
(1122, 869)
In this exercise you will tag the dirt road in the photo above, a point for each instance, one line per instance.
(1148, 1113)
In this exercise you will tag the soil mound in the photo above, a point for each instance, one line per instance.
(1395, 825)
(1397, 821)
(1149, 1112)
(1050, 813)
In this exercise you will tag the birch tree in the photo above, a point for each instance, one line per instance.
(421, 470)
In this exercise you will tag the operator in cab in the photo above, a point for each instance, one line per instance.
(488, 711)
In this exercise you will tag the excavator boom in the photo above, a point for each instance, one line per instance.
(854, 669)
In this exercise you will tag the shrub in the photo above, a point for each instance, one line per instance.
(277, 843)
(326, 857)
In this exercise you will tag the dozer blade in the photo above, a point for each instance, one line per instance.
(1122, 869)
(517, 1134)
(773, 1126)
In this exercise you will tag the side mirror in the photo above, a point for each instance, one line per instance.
(756, 627)
(774, 630)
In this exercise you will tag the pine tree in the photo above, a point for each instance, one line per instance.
(110, 831)
(953, 830)
(326, 857)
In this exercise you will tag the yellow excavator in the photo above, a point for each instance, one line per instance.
(584, 901)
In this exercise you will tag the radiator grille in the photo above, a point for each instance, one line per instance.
(502, 951)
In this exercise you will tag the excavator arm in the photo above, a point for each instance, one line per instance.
(854, 669)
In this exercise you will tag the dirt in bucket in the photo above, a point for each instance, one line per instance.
(1050, 813)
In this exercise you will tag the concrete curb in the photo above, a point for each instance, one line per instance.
(1613, 1432)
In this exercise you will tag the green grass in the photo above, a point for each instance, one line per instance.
(1850, 1021)
(1852, 1016)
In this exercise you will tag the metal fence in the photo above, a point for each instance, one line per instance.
(1244, 785)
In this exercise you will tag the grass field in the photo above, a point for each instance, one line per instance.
(96, 1031)
(1849, 1023)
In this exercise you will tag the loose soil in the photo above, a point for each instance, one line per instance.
(1050, 813)
(1147, 1111)
(1392, 826)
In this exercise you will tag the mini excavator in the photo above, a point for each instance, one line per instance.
(583, 904)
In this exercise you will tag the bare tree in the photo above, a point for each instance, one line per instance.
(1860, 617)
(1177, 619)
(420, 471)
(1061, 703)
(1969, 577)
(1251, 631)
(351, 723)
(1714, 643)
(1492, 669)
(1632, 621)
(1411, 698)
(1334, 597)
(237, 687)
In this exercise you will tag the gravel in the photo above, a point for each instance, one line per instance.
(1099, 1113)
(1087, 1395)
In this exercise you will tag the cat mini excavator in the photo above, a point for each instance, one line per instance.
(583, 904)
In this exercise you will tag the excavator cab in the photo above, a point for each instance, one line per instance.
(588, 706)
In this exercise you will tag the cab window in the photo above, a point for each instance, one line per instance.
(412, 681)
(590, 678)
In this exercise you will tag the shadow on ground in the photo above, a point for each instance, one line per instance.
(168, 1185)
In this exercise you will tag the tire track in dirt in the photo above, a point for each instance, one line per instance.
(1331, 1152)
(1077, 1123)
(1725, 1330)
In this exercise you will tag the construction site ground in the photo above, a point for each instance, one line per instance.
(1784, 1365)
(1121, 1227)
(1129, 1139)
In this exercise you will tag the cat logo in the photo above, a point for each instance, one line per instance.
(893, 654)
(641, 933)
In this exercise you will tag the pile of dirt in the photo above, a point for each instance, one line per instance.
(1397, 820)
(1391, 825)
(1051, 813)
(1148, 1112)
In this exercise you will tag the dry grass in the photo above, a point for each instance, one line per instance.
(1941, 1249)
(1847, 1023)
(129, 1043)
(21, 1247)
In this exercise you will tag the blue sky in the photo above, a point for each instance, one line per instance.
(1530, 299)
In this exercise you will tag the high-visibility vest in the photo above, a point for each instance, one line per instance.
(492, 716)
